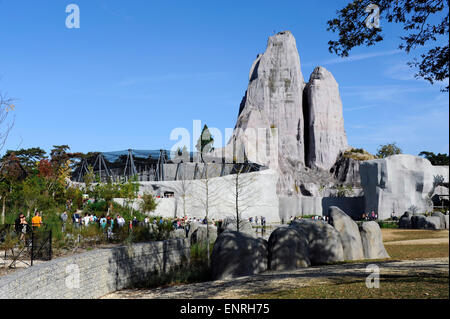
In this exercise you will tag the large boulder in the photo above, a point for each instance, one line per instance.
(200, 234)
(287, 249)
(229, 223)
(236, 254)
(441, 218)
(418, 222)
(324, 241)
(433, 222)
(372, 241)
(398, 182)
(350, 236)
(324, 120)
(178, 234)
(405, 221)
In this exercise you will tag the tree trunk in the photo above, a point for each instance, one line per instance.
(3, 209)
(237, 203)
(207, 211)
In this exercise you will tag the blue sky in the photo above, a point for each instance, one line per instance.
(137, 69)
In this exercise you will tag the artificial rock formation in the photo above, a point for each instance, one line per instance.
(324, 120)
(273, 104)
(399, 183)
(372, 241)
(281, 123)
(288, 249)
(324, 241)
(348, 229)
(236, 254)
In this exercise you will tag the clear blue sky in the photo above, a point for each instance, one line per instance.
(137, 69)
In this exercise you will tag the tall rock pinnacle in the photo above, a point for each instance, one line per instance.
(324, 120)
(274, 100)
(303, 121)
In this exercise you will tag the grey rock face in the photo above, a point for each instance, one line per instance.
(433, 222)
(446, 222)
(245, 227)
(396, 183)
(288, 249)
(324, 241)
(346, 171)
(324, 120)
(178, 234)
(197, 233)
(348, 229)
(200, 234)
(274, 102)
(236, 254)
(441, 218)
(372, 241)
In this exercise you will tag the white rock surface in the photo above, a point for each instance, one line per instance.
(324, 120)
(398, 182)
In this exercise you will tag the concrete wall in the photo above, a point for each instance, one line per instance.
(258, 196)
(398, 182)
(303, 205)
(100, 271)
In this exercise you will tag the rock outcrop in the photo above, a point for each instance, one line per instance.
(325, 136)
(348, 229)
(405, 220)
(442, 223)
(288, 249)
(236, 254)
(229, 223)
(398, 182)
(273, 102)
(372, 241)
(197, 233)
(324, 241)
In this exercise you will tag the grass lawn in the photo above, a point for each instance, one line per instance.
(390, 235)
(391, 287)
(405, 252)
(418, 286)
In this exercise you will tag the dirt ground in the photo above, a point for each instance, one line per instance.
(270, 282)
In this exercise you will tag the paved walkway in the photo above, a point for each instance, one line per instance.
(271, 281)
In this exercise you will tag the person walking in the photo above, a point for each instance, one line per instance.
(76, 219)
(21, 226)
(36, 221)
(64, 218)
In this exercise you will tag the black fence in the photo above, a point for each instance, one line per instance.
(35, 243)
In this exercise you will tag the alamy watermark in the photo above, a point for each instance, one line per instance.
(257, 145)
(73, 19)
(373, 20)
(373, 279)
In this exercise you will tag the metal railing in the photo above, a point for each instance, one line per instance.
(34, 244)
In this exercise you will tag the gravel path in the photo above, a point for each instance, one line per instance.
(271, 281)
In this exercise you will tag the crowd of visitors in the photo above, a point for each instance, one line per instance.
(370, 216)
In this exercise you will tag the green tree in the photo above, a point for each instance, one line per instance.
(32, 188)
(28, 158)
(148, 203)
(435, 159)
(425, 25)
(205, 142)
(388, 150)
